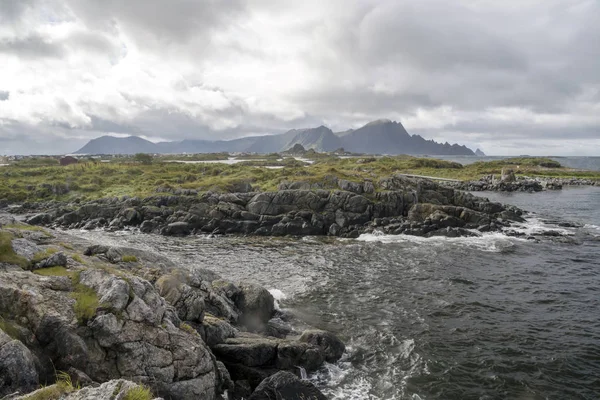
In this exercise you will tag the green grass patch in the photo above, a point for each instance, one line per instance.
(86, 303)
(129, 259)
(66, 246)
(77, 258)
(7, 254)
(55, 271)
(138, 393)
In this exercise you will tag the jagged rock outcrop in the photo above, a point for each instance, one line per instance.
(109, 326)
(298, 209)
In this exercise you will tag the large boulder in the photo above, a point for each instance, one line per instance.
(271, 354)
(329, 344)
(286, 386)
(256, 305)
(17, 367)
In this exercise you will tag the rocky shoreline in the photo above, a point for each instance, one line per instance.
(510, 183)
(396, 204)
(103, 314)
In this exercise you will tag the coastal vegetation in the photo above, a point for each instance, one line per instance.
(31, 180)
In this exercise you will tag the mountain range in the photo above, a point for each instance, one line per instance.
(377, 137)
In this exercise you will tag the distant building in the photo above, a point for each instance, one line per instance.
(68, 160)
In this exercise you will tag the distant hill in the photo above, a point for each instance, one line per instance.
(377, 137)
(114, 145)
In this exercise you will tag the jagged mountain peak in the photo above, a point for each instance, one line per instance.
(377, 137)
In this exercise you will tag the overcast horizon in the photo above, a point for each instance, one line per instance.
(521, 77)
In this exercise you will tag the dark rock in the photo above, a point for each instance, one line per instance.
(176, 229)
(248, 351)
(17, 367)
(286, 386)
(329, 344)
(256, 305)
(40, 219)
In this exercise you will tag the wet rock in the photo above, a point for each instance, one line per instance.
(269, 353)
(256, 305)
(329, 344)
(286, 386)
(253, 351)
(176, 229)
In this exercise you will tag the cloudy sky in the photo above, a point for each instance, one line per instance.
(511, 77)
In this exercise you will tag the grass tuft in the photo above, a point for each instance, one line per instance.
(139, 393)
(63, 386)
(129, 259)
(86, 303)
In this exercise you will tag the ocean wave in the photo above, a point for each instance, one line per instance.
(536, 226)
(595, 230)
(490, 242)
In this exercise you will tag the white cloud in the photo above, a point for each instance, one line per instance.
(479, 72)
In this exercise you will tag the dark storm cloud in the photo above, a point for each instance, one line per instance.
(465, 70)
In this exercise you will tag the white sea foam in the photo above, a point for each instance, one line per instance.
(535, 226)
(493, 242)
(357, 390)
(278, 295)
